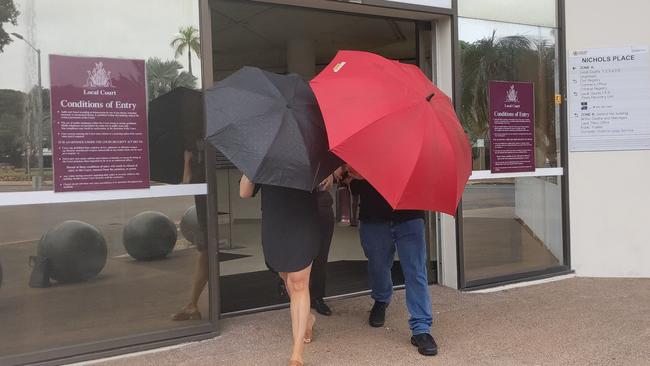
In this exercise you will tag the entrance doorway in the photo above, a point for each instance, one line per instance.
(290, 39)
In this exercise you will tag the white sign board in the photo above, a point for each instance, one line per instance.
(609, 96)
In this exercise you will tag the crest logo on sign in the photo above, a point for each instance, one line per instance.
(511, 95)
(99, 77)
(339, 66)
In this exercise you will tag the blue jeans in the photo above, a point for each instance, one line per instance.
(379, 241)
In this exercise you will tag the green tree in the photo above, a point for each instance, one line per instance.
(164, 76)
(8, 14)
(187, 39)
(515, 58)
(487, 59)
(12, 126)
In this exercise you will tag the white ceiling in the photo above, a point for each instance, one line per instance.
(247, 33)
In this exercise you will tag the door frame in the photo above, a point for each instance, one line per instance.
(560, 172)
(440, 22)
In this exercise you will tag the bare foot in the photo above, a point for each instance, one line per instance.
(309, 333)
(188, 312)
(294, 363)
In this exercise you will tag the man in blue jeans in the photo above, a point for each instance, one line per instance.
(384, 231)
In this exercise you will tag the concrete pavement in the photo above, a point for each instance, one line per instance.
(579, 321)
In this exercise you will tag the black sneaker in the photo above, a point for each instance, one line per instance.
(425, 343)
(378, 314)
(321, 307)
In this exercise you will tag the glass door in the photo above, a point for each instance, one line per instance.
(512, 223)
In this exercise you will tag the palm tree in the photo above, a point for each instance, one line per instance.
(490, 58)
(163, 77)
(187, 39)
(509, 58)
(487, 59)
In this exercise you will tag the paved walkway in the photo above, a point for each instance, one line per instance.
(577, 321)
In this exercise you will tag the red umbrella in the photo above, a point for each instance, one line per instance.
(393, 126)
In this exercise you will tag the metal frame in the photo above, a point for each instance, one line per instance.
(460, 254)
(210, 170)
(430, 230)
(564, 177)
(162, 338)
(405, 6)
(564, 131)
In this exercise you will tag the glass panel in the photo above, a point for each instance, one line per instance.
(509, 52)
(512, 226)
(247, 33)
(98, 290)
(91, 28)
(533, 12)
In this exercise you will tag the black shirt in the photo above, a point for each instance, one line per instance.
(373, 207)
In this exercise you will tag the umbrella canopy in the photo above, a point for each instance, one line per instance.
(270, 127)
(393, 126)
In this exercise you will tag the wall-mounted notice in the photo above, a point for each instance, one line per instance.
(99, 123)
(609, 93)
(512, 126)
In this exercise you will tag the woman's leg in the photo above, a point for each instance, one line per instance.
(199, 280)
(200, 277)
(298, 288)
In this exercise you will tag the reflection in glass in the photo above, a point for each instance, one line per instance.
(126, 297)
(166, 37)
(509, 52)
(511, 226)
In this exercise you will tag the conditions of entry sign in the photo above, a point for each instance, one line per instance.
(609, 99)
(512, 126)
(99, 123)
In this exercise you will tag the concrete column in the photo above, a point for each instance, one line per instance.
(301, 57)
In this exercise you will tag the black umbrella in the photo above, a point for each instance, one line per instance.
(270, 127)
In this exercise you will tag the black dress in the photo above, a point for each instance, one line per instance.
(290, 228)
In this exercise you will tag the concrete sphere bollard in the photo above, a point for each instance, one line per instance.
(190, 225)
(76, 251)
(149, 235)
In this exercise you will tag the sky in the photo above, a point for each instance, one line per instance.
(136, 29)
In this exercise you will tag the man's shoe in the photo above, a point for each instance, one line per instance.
(321, 307)
(378, 314)
(425, 343)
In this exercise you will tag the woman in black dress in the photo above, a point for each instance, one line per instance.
(290, 241)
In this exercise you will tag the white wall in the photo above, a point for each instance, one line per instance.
(609, 191)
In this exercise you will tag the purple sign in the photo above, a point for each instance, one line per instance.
(99, 123)
(512, 126)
